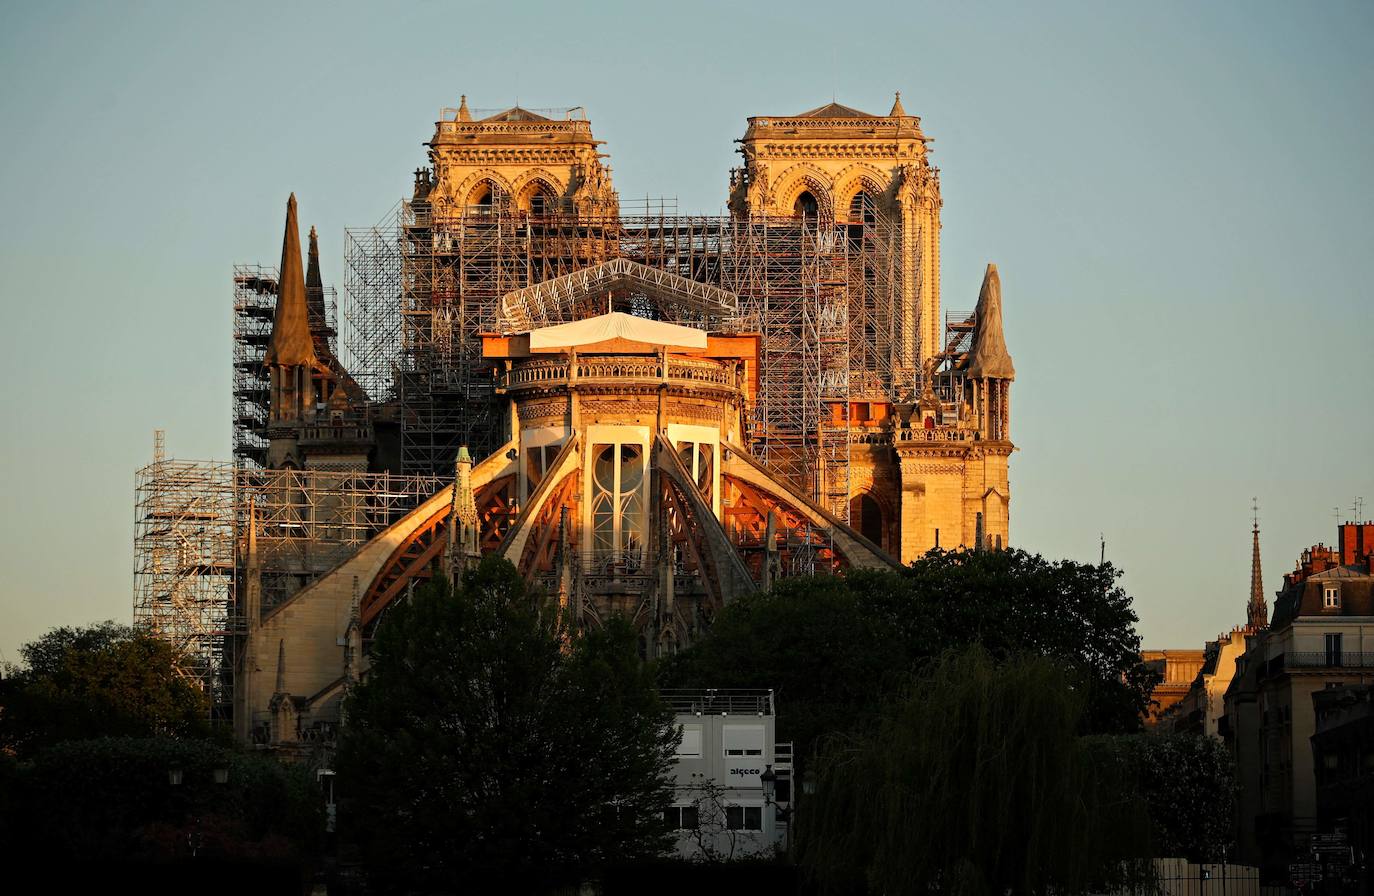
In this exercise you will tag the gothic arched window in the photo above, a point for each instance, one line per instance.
(617, 505)
(863, 208)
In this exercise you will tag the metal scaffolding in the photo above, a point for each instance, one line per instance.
(826, 297)
(255, 304)
(204, 530)
(184, 570)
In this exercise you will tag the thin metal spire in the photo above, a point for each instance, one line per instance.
(1256, 611)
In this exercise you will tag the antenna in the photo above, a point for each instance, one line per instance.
(1359, 509)
(1254, 509)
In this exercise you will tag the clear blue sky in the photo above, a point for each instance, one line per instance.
(1178, 197)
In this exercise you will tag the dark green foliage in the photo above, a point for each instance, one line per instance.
(110, 800)
(825, 645)
(1188, 784)
(832, 647)
(102, 680)
(973, 781)
(1012, 601)
(489, 748)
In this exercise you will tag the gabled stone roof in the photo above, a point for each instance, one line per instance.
(835, 110)
(515, 113)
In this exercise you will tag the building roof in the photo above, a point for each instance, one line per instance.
(514, 113)
(616, 331)
(1305, 598)
(291, 343)
(989, 357)
(835, 110)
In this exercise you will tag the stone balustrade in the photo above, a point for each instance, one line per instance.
(600, 369)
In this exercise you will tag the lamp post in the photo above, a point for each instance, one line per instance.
(769, 781)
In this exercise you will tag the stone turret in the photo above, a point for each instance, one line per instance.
(291, 344)
(314, 297)
(989, 358)
(317, 413)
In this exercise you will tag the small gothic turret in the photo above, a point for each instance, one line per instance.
(291, 344)
(989, 358)
(309, 387)
(989, 366)
(314, 296)
(897, 110)
(291, 355)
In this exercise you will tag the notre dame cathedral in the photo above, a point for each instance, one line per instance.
(649, 414)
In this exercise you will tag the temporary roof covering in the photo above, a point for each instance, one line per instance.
(568, 297)
(619, 328)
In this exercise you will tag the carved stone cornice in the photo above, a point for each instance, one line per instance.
(507, 155)
(836, 151)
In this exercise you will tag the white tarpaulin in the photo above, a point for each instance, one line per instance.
(615, 326)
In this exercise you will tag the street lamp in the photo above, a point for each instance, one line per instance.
(769, 780)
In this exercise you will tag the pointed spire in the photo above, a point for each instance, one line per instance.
(989, 357)
(1257, 613)
(314, 287)
(463, 113)
(897, 110)
(291, 343)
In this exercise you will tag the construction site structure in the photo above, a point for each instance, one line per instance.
(650, 413)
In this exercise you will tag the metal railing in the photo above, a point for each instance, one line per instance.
(721, 701)
(1322, 659)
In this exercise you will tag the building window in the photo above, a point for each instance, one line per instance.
(806, 207)
(485, 199)
(618, 501)
(863, 209)
(680, 818)
(537, 462)
(1333, 649)
(1331, 597)
(698, 459)
(689, 741)
(744, 818)
(742, 740)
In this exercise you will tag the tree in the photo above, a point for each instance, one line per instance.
(112, 801)
(973, 781)
(1188, 785)
(491, 747)
(1012, 602)
(101, 680)
(831, 648)
(819, 642)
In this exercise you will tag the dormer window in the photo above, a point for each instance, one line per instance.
(1331, 597)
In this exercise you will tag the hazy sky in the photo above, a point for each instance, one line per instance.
(1178, 197)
